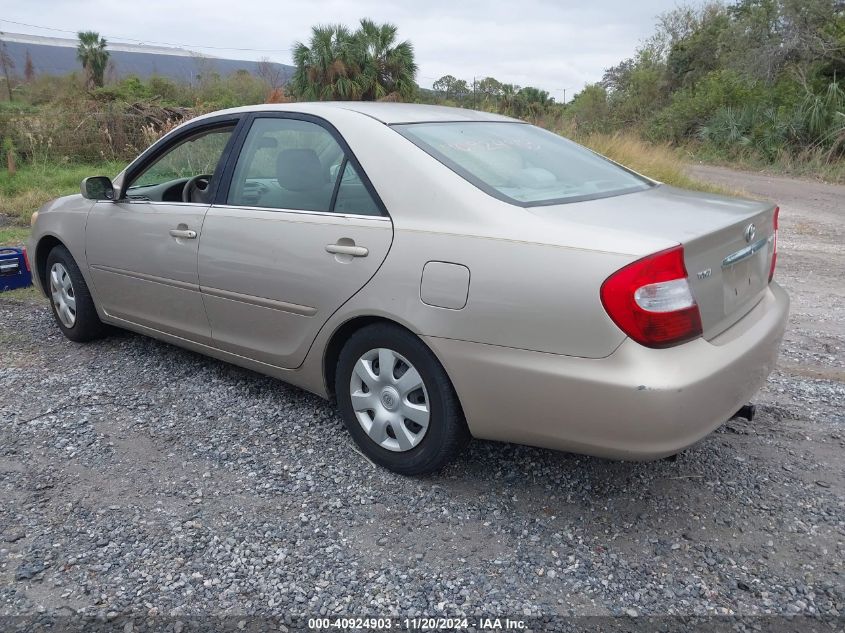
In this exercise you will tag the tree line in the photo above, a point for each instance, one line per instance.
(758, 77)
(491, 94)
(750, 77)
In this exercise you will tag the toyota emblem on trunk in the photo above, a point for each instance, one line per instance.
(750, 232)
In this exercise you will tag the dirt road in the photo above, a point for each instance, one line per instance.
(138, 479)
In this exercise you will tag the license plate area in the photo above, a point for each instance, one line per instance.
(745, 273)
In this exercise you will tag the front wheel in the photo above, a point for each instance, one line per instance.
(397, 401)
(70, 299)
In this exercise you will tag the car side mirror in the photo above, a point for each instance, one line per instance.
(97, 188)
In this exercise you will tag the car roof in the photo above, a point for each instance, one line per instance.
(389, 113)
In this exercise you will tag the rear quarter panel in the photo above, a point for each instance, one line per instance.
(524, 295)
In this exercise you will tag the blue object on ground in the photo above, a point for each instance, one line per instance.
(14, 268)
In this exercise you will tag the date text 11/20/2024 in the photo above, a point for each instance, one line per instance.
(416, 624)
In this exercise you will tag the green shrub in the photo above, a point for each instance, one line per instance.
(589, 109)
(814, 124)
(169, 92)
(692, 107)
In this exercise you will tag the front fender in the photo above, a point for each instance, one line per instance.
(61, 221)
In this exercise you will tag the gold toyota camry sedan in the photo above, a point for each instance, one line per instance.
(441, 273)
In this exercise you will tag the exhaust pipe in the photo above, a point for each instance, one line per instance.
(747, 411)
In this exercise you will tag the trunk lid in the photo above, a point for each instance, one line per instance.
(727, 260)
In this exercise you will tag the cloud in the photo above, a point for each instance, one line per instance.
(545, 43)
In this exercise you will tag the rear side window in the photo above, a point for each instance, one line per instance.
(522, 164)
(297, 165)
(352, 195)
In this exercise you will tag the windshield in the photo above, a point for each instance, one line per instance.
(522, 164)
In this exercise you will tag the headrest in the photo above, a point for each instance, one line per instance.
(300, 170)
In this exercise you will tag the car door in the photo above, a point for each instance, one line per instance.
(298, 231)
(142, 248)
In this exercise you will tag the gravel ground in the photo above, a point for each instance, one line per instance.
(138, 478)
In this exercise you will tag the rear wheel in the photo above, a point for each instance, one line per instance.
(70, 299)
(397, 401)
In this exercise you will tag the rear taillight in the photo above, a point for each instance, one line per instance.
(774, 245)
(651, 300)
(25, 258)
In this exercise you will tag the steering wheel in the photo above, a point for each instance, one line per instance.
(198, 185)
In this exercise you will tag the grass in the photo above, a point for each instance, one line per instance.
(659, 162)
(13, 235)
(25, 295)
(809, 165)
(33, 185)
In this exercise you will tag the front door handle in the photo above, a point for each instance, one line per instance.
(185, 234)
(347, 249)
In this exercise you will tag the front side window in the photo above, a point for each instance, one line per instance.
(298, 165)
(522, 164)
(196, 156)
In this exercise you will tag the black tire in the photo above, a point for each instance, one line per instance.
(87, 325)
(447, 432)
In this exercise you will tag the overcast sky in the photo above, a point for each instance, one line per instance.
(552, 45)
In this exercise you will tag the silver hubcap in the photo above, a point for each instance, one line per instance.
(64, 299)
(389, 399)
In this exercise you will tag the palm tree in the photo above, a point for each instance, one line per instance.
(508, 104)
(326, 70)
(532, 101)
(92, 54)
(342, 65)
(388, 68)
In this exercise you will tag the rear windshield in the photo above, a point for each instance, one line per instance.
(522, 164)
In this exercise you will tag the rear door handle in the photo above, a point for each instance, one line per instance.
(185, 234)
(346, 249)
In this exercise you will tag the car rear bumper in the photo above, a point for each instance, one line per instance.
(638, 403)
